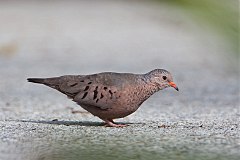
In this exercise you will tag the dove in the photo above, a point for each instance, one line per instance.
(110, 95)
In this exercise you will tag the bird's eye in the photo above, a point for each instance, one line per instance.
(164, 77)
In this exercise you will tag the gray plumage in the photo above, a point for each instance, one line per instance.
(109, 95)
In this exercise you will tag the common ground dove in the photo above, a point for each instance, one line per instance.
(110, 95)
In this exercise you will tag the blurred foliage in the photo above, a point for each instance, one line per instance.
(221, 15)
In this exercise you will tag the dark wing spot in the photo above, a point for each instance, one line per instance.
(89, 82)
(110, 93)
(97, 100)
(95, 93)
(74, 84)
(87, 87)
(101, 96)
(105, 88)
(85, 94)
(82, 81)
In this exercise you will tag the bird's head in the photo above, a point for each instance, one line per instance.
(161, 78)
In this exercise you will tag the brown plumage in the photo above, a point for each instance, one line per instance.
(110, 95)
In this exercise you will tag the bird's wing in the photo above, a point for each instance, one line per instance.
(97, 90)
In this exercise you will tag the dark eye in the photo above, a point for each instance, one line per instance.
(164, 77)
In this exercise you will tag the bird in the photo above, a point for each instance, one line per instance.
(110, 95)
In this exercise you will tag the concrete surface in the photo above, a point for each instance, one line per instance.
(43, 39)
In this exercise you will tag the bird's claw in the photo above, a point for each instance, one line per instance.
(112, 124)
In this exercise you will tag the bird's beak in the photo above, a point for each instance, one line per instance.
(172, 84)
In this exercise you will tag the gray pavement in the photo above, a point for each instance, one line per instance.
(43, 39)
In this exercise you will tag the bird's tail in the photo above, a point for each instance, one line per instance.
(51, 82)
(36, 80)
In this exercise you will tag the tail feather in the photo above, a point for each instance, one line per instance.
(58, 83)
(51, 82)
(36, 80)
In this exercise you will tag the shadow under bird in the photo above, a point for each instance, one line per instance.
(110, 95)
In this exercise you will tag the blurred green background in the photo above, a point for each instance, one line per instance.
(220, 16)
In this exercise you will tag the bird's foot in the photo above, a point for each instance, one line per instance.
(110, 123)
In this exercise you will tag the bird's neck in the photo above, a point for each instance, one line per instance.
(153, 87)
(147, 87)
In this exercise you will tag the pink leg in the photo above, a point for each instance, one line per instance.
(110, 123)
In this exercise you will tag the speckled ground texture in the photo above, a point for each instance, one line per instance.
(44, 39)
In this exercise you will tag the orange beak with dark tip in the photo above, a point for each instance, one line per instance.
(172, 84)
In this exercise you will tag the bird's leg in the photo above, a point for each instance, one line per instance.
(110, 123)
